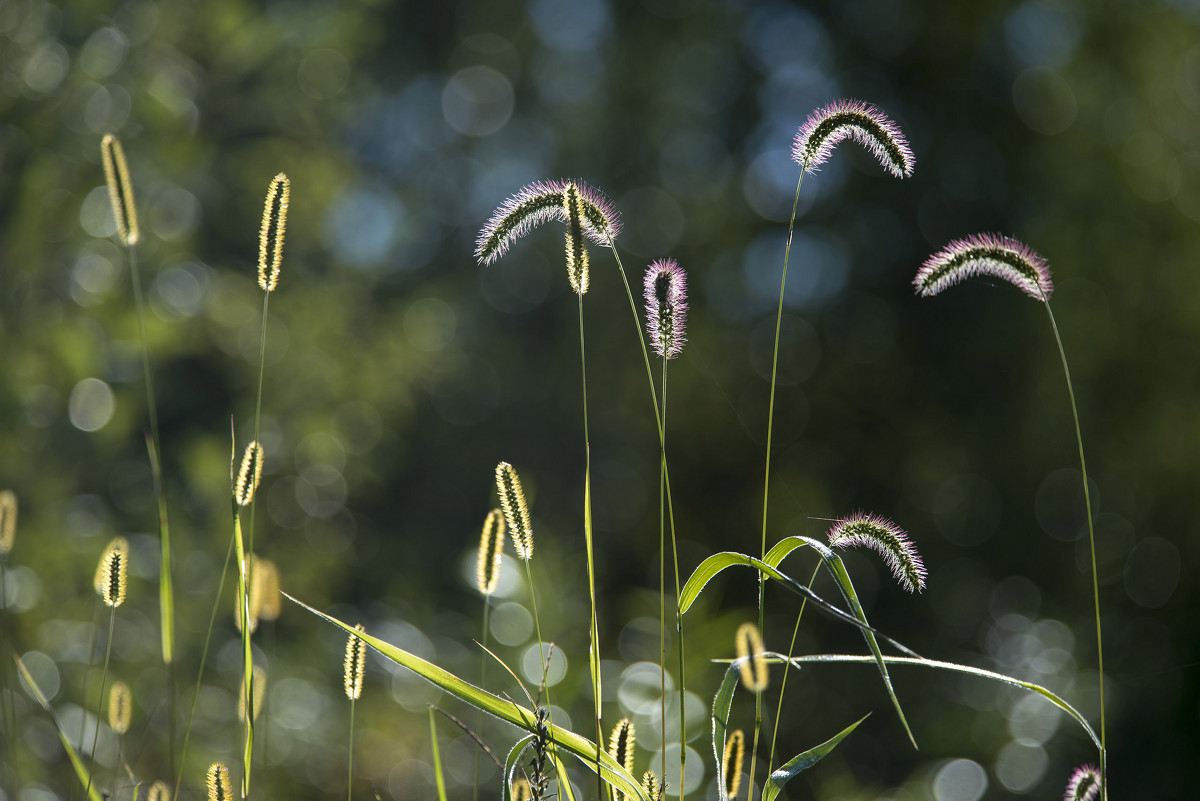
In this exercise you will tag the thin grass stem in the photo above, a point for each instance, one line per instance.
(662, 593)
(487, 608)
(87, 675)
(350, 758)
(112, 619)
(783, 683)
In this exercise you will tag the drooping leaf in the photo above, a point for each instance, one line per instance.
(803, 761)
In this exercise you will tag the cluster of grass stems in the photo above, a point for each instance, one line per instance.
(537, 761)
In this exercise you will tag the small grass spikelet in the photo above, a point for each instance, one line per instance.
(985, 254)
(265, 601)
(120, 707)
(539, 780)
(159, 791)
(886, 538)
(621, 743)
(863, 123)
(652, 787)
(1084, 784)
(750, 651)
(220, 788)
(270, 237)
(491, 552)
(8, 520)
(249, 474)
(541, 202)
(355, 664)
(110, 573)
(260, 693)
(731, 763)
(516, 511)
(120, 189)
(520, 790)
(665, 290)
(576, 248)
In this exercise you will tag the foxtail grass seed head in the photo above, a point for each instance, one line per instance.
(985, 254)
(652, 787)
(249, 474)
(538, 203)
(159, 791)
(355, 664)
(665, 291)
(120, 707)
(731, 763)
(516, 511)
(521, 791)
(888, 540)
(8, 520)
(274, 225)
(120, 189)
(754, 665)
(856, 120)
(1084, 784)
(576, 248)
(491, 553)
(260, 693)
(539, 780)
(110, 573)
(219, 786)
(265, 601)
(621, 743)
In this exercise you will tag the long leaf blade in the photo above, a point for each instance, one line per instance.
(803, 761)
(722, 702)
(77, 763)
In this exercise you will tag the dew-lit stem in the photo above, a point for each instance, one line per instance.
(1087, 500)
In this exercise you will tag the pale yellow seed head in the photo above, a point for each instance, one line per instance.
(516, 510)
(621, 743)
(264, 589)
(491, 552)
(249, 475)
(731, 763)
(120, 707)
(110, 573)
(259, 684)
(120, 189)
(754, 666)
(652, 787)
(8, 520)
(274, 225)
(159, 791)
(219, 786)
(356, 663)
(521, 790)
(576, 248)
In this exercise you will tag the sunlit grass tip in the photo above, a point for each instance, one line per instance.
(274, 226)
(120, 189)
(853, 119)
(731, 763)
(652, 786)
(985, 254)
(8, 520)
(491, 553)
(621, 743)
(888, 540)
(249, 474)
(541, 202)
(260, 693)
(220, 788)
(120, 707)
(753, 666)
(516, 510)
(159, 791)
(355, 664)
(1084, 784)
(665, 291)
(110, 573)
(576, 247)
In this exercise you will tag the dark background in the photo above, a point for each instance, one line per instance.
(398, 372)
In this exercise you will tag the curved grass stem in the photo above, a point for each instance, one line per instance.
(112, 619)
(783, 683)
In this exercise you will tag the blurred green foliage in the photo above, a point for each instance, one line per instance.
(398, 372)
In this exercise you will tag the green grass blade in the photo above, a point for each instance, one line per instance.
(722, 702)
(243, 603)
(513, 763)
(437, 757)
(801, 762)
(704, 573)
(564, 782)
(81, 772)
(166, 588)
(504, 709)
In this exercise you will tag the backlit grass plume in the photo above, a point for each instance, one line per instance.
(985, 254)
(538, 203)
(516, 511)
(159, 791)
(219, 786)
(621, 743)
(120, 189)
(8, 520)
(576, 247)
(665, 290)
(750, 650)
(652, 786)
(491, 551)
(249, 474)
(355, 665)
(110, 573)
(274, 225)
(1084, 784)
(731, 763)
(265, 601)
(886, 538)
(120, 707)
(853, 119)
(259, 683)
(520, 790)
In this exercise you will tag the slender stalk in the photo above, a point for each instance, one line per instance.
(112, 619)
(87, 675)
(487, 608)
(662, 595)
(350, 760)
(10, 716)
(1087, 499)
(537, 622)
(783, 683)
